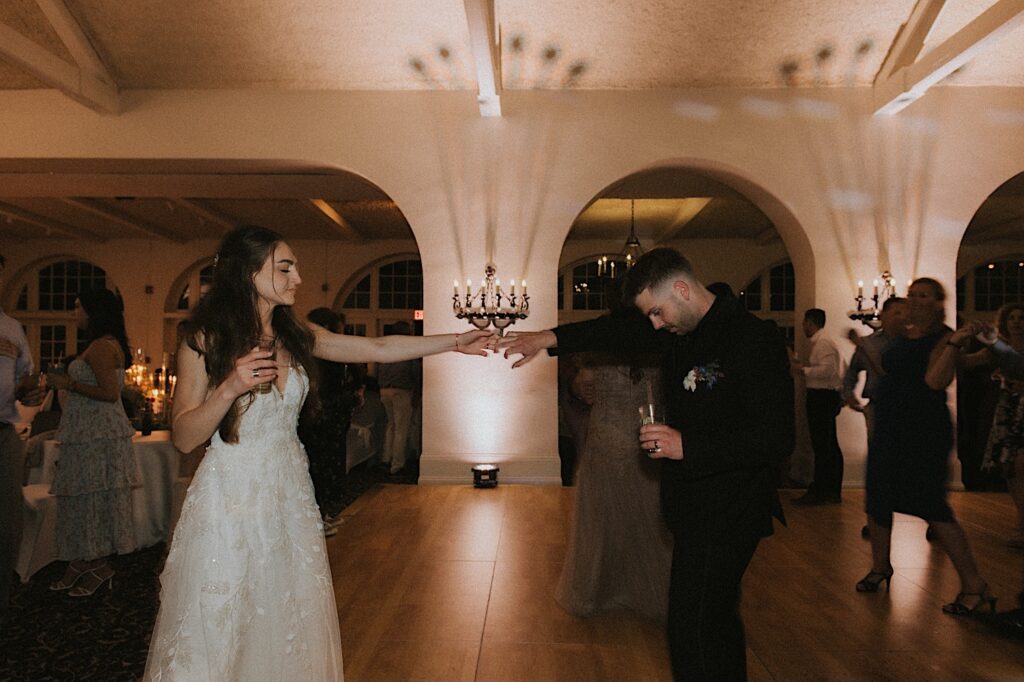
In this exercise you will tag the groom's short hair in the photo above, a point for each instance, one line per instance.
(655, 268)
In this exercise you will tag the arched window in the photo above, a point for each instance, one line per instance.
(385, 292)
(772, 296)
(46, 303)
(582, 291)
(190, 286)
(990, 285)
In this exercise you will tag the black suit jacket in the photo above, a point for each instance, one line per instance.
(735, 416)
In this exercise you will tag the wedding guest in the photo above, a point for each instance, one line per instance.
(17, 383)
(324, 432)
(908, 463)
(867, 360)
(823, 376)
(575, 395)
(246, 589)
(1011, 363)
(399, 383)
(1005, 448)
(620, 549)
(96, 470)
(729, 397)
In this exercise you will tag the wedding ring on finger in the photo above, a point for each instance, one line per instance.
(255, 374)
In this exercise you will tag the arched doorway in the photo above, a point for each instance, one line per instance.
(990, 275)
(726, 235)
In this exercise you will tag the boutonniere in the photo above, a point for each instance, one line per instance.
(708, 375)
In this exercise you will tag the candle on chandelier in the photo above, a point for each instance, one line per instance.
(469, 284)
(860, 287)
(524, 287)
(513, 282)
(455, 287)
(875, 288)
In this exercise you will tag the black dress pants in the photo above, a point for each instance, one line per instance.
(822, 408)
(705, 629)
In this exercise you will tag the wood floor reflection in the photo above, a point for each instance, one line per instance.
(452, 583)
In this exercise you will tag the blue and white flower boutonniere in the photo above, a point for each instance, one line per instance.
(708, 375)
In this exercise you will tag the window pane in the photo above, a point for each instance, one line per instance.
(588, 290)
(751, 296)
(401, 286)
(22, 303)
(52, 342)
(782, 287)
(998, 283)
(360, 296)
(60, 283)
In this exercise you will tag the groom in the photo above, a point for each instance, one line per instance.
(729, 400)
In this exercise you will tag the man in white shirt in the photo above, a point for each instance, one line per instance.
(15, 370)
(823, 374)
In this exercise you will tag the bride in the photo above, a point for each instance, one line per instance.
(246, 589)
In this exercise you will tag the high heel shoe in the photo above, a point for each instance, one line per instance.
(66, 582)
(873, 580)
(959, 608)
(83, 591)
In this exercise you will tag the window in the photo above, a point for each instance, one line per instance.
(46, 303)
(582, 294)
(997, 283)
(205, 281)
(401, 285)
(751, 296)
(385, 292)
(782, 283)
(60, 283)
(588, 288)
(184, 295)
(360, 296)
(778, 285)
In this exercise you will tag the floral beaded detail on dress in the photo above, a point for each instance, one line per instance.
(246, 589)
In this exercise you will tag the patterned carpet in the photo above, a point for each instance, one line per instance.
(49, 636)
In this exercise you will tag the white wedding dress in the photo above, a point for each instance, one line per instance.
(246, 590)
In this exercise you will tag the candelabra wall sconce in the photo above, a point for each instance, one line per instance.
(869, 316)
(490, 305)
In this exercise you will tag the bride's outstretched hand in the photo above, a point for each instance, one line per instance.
(527, 344)
(476, 342)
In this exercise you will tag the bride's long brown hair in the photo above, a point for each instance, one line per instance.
(226, 323)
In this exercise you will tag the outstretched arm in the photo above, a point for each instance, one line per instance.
(396, 348)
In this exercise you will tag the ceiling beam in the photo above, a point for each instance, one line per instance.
(48, 224)
(73, 81)
(909, 40)
(485, 43)
(687, 211)
(331, 217)
(75, 39)
(907, 83)
(209, 214)
(121, 218)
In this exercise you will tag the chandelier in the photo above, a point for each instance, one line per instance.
(869, 316)
(630, 253)
(490, 305)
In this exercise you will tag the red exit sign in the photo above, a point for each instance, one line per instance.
(417, 314)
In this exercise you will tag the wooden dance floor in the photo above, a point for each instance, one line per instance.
(453, 583)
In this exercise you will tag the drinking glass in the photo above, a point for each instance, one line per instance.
(651, 413)
(266, 343)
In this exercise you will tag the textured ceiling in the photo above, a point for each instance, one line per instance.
(417, 44)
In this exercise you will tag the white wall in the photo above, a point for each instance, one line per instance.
(508, 189)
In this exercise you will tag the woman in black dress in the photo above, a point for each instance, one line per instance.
(908, 462)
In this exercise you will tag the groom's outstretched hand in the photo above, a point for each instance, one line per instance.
(527, 344)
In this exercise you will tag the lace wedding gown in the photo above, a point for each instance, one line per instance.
(246, 590)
